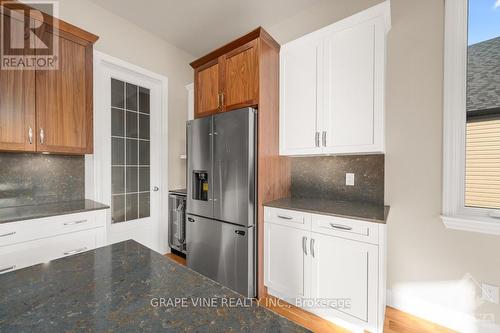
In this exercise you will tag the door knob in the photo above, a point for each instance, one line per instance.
(156, 189)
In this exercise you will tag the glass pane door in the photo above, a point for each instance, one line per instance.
(130, 151)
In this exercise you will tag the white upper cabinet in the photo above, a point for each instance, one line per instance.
(301, 88)
(332, 87)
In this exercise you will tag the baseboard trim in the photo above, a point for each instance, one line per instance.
(438, 314)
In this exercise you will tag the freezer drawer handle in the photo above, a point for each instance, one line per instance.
(190, 219)
(285, 217)
(339, 226)
(6, 269)
(240, 232)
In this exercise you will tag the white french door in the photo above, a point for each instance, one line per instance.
(129, 154)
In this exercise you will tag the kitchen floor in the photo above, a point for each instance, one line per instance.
(395, 320)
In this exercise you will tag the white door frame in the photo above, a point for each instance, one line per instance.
(96, 165)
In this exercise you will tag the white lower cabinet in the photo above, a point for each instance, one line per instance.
(285, 261)
(31, 242)
(339, 278)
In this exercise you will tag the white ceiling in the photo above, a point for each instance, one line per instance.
(200, 26)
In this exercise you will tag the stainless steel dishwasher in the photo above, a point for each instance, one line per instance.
(177, 220)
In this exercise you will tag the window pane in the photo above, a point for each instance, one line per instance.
(143, 100)
(482, 182)
(117, 93)
(118, 208)
(131, 97)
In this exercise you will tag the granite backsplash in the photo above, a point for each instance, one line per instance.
(324, 177)
(29, 179)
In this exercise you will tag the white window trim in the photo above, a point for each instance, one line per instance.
(455, 215)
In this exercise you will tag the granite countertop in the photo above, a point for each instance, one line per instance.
(116, 288)
(20, 213)
(349, 209)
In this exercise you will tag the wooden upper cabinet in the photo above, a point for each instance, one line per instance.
(48, 109)
(208, 95)
(17, 102)
(241, 77)
(229, 78)
(61, 102)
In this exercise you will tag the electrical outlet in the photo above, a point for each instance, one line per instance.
(349, 179)
(489, 293)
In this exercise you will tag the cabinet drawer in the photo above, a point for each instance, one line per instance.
(26, 254)
(23, 231)
(346, 228)
(287, 217)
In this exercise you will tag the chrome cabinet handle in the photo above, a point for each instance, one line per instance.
(156, 188)
(30, 136)
(222, 100)
(324, 138)
(312, 247)
(304, 245)
(42, 136)
(75, 251)
(75, 222)
(8, 234)
(6, 269)
(285, 217)
(340, 226)
(317, 139)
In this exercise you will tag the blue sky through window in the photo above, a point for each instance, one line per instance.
(484, 20)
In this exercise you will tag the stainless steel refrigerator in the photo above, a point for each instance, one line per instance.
(221, 198)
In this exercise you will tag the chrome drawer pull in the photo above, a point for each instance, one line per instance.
(75, 222)
(304, 245)
(6, 269)
(340, 226)
(75, 251)
(285, 217)
(8, 234)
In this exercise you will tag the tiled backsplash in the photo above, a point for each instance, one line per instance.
(325, 177)
(27, 179)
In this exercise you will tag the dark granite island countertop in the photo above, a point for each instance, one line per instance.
(349, 209)
(117, 288)
(20, 213)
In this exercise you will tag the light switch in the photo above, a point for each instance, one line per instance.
(349, 179)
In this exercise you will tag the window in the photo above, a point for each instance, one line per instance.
(471, 179)
(130, 151)
(482, 172)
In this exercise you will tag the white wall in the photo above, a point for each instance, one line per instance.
(124, 40)
(431, 270)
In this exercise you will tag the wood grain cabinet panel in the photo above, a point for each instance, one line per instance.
(17, 102)
(53, 105)
(207, 95)
(61, 102)
(241, 81)
(245, 72)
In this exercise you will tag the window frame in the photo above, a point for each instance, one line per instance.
(455, 215)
